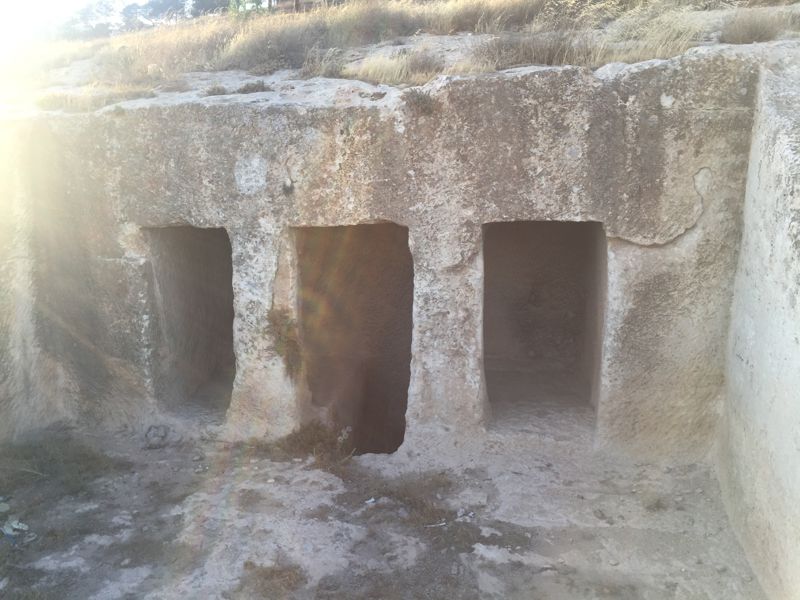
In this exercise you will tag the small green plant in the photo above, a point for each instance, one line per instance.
(286, 341)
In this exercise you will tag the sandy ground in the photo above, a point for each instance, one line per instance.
(527, 511)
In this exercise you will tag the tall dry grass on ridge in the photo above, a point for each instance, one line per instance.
(584, 32)
(165, 52)
(640, 32)
(267, 42)
(747, 27)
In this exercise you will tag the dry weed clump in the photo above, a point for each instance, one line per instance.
(253, 87)
(482, 17)
(421, 102)
(331, 450)
(655, 30)
(323, 63)
(216, 90)
(748, 26)
(550, 48)
(419, 495)
(415, 67)
(269, 43)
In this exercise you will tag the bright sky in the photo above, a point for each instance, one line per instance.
(23, 21)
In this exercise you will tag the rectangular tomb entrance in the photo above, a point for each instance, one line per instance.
(544, 293)
(356, 293)
(193, 295)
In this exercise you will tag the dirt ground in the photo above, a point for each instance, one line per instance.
(527, 511)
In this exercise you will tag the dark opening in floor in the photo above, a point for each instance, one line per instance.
(356, 293)
(544, 293)
(193, 295)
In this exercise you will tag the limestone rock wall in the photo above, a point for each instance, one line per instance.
(6, 273)
(656, 152)
(760, 435)
(35, 390)
(14, 293)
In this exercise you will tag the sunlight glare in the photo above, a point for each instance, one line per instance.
(23, 28)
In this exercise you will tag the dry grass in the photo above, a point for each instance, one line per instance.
(415, 67)
(483, 17)
(552, 48)
(174, 85)
(642, 32)
(420, 495)
(165, 52)
(91, 100)
(331, 450)
(269, 42)
(586, 32)
(746, 27)
(216, 90)
(323, 63)
(663, 37)
(421, 102)
(253, 87)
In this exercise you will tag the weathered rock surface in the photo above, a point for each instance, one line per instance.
(656, 152)
(760, 434)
